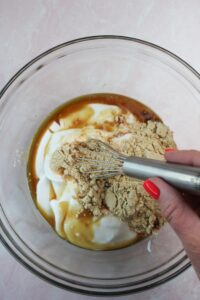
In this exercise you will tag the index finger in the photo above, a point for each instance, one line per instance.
(187, 157)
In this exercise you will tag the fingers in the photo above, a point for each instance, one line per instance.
(181, 213)
(183, 218)
(188, 157)
(180, 216)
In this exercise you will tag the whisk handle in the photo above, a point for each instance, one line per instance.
(180, 176)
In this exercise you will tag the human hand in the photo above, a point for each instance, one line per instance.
(182, 211)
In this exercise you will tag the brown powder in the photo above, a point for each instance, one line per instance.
(127, 199)
(121, 196)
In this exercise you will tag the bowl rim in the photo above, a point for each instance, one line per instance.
(96, 37)
(5, 239)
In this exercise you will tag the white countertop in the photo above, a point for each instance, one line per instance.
(29, 27)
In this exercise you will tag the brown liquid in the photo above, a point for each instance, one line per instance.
(139, 110)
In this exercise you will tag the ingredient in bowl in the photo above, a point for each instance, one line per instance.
(121, 196)
(105, 213)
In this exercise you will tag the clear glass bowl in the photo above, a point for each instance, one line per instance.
(111, 64)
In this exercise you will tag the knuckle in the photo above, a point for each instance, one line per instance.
(173, 212)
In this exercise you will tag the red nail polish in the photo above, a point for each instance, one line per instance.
(169, 150)
(151, 188)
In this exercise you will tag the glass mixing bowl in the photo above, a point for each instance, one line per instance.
(113, 64)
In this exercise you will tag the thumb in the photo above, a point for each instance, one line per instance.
(180, 216)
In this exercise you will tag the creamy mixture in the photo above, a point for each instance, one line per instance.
(96, 214)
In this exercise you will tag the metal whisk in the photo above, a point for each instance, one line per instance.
(108, 162)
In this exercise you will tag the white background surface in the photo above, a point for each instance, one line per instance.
(29, 27)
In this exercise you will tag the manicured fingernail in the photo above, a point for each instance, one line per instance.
(151, 188)
(169, 150)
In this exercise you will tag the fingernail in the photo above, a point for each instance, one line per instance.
(151, 188)
(169, 150)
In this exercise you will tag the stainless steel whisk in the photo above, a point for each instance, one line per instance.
(108, 162)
